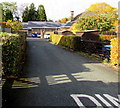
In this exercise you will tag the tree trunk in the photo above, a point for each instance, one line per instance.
(42, 33)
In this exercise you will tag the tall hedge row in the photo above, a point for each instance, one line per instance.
(72, 42)
(75, 43)
(55, 38)
(13, 53)
(115, 51)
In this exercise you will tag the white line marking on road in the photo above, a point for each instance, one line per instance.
(114, 100)
(57, 79)
(103, 100)
(79, 103)
(58, 76)
(64, 81)
(61, 78)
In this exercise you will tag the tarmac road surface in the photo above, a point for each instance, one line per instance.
(57, 77)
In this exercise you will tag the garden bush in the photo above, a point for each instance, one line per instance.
(115, 51)
(72, 42)
(69, 41)
(13, 52)
(106, 37)
(55, 39)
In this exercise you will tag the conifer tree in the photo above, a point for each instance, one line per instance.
(25, 14)
(41, 13)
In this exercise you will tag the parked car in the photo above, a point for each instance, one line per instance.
(47, 35)
(34, 35)
(39, 35)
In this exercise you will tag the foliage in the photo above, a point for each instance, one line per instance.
(8, 8)
(104, 18)
(13, 51)
(1, 13)
(10, 5)
(103, 9)
(106, 37)
(25, 15)
(72, 42)
(32, 16)
(41, 13)
(74, 28)
(30, 13)
(115, 52)
(14, 25)
(55, 38)
(116, 23)
(4, 24)
(8, 15)
(106, 61)
(102, 23)
(64, 20)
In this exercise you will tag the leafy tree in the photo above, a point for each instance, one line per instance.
(100, 22)
(103, 9)
(14, 25)
(104, 18)
(12, 6)
(8, 15)
(41, 13)
(63, 20)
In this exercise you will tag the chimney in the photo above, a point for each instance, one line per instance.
(72, 15)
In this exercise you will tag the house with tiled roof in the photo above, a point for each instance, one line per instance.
(42, 27)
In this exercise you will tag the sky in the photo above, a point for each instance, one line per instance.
(58, 9)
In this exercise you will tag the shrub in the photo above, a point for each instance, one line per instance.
(13, 51)
(69, 41)
(115, 51)
(14, 25)
(72, 42)
(106, 37)
(55, 38)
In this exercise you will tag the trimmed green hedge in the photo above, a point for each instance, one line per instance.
(13, 52)
(72, 42)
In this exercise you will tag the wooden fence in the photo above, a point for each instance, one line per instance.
(96, 47)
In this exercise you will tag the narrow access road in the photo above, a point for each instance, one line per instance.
(57, 77)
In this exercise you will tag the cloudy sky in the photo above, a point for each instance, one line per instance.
(57, 9)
